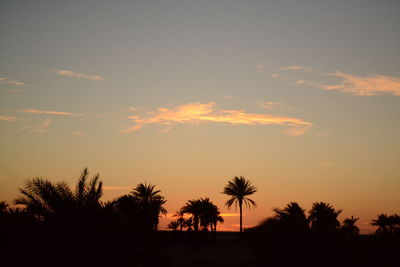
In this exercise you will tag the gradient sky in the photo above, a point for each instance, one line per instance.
(301, 97)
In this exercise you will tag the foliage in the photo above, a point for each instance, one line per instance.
(238, 189)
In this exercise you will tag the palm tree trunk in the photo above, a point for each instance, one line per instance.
(240, 209)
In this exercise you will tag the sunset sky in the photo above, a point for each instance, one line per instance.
(300, 97)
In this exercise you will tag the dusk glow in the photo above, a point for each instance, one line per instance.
(300, 97)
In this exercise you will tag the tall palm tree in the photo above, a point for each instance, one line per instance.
(239, 188)
(151, 200)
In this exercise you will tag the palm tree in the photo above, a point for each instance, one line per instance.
(173, 225)
(349, 227)
(194, 208)
(323, 219)
(292, 221)
(46, 200)
(152, 202)
(3, 206)
(382, 222)
(189, 224)
(239, 188)
(180, 220)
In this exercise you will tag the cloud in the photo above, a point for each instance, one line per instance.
(260, 68)
(360, 85)
(229, 214)
(277, 76)
(7, 118)
(5, 80)
(295, 67)
(39, 128)
(197, 113)
(78, 133)
(365, 85)
(50, 112)
(72, 74)
(268, 104)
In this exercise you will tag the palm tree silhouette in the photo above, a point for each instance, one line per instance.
(189, 224)
(323, 219)
(292, 221)
(382, 222)
(349, 227)
(3, 206)
(180, 219)
(239, 188)
(45, 199)
(151, 201)
(173, 225)
(194, 208)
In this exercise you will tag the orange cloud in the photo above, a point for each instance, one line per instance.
(196, 113)
(7, 118)
(365, 85)
(5, 80)
(51, 112)
(39, 128)
(72, 74)
(229, 214)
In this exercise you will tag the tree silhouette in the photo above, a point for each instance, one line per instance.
(323, 219)
(203, 213)
(382, 222)
(151, 201)
(194, 208)
(180, 219)
(3, 207)
(349, 228)
(292, 221)
(239, 188)
(47, 200)
(173, 225)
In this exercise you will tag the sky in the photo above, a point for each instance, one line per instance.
(300, 97)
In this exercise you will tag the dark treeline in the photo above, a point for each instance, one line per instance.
(55, 225)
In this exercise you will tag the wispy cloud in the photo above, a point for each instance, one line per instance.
(77, 75)
(5, 80)
(78, 133)
(260, 68)
(197, 113)
(278, 76)
(38, 128)
(50, 112)
(365, 85)
(296, 67)
(7, 118)
(359, 85)
(268, 104)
